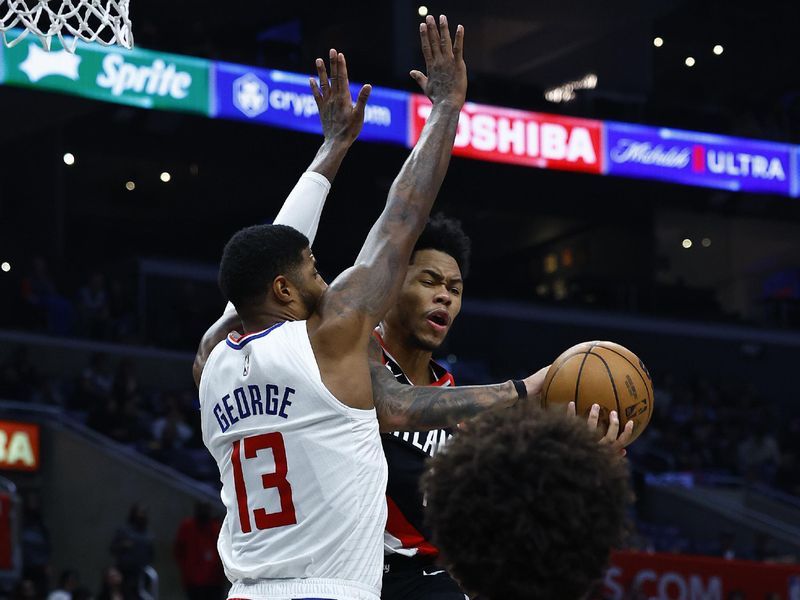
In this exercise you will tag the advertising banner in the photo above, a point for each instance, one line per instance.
(519, 137)
(284, 99)
(700, 159)
(681, 577)
(136, 77)
(19, 446)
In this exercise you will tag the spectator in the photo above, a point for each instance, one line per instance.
(95, 384)
(67, 584)
(46, 308)
(195, 551)
(112, 588)
(18, 376)
(93, 310)
(173, 426)
(132, 548)
(759, 455)
(35, 542)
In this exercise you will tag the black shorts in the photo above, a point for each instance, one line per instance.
(412, 578)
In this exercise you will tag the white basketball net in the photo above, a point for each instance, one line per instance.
(103, 21)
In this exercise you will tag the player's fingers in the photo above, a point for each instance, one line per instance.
(420, 78)
(433, 36)
(316, 91)
(613, 428)
(425, 44)
(363, 96)
(571, 409)
(625, 437)
(458, 45)
(445, 43)
(322, 73)
(594, 416)
(333, 59)
(343, 79)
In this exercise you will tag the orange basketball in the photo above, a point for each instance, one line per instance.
(602, 373)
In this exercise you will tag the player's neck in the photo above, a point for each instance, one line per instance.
(266, 317)
(413, 360)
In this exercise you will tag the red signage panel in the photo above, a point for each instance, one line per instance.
(19, 446)
(681, 577)
(520, 137)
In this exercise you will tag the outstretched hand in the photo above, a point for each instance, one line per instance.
(341, 120)
(446, 79)
(610, 437)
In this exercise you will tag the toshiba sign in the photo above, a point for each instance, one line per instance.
(519, 137)
(19, 446)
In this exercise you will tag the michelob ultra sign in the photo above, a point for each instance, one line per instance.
(19, 446)
(135, 77)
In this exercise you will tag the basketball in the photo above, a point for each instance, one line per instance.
(602, 373)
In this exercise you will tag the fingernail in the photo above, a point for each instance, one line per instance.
(442, 19)
(319, 62)
(422, 26)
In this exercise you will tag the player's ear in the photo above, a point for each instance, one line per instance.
(282, 289)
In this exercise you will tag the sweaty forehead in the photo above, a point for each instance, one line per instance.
(434, 260)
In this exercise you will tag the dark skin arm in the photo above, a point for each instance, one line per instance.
(355, 302)
(422, 408)
(341, 124)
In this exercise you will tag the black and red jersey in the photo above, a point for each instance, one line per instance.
(406, 453)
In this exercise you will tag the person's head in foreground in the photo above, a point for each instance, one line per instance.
(526, 505)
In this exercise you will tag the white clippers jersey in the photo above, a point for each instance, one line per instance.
(303, 476)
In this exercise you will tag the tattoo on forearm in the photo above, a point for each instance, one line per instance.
(420, 408)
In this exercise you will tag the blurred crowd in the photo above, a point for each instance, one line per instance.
(129, 574)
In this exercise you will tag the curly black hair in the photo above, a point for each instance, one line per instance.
(254, 257)
(446, 235)
(525, 504)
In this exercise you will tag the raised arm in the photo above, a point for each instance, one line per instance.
(422, 408)
(341, 125)
(359, 297)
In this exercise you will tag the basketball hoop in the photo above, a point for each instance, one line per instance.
(102, 21)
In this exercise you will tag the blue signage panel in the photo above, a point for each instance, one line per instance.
(700, 159)
(284, 99)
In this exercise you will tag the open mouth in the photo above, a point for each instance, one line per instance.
(439, 318)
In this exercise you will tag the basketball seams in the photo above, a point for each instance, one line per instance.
(610, 377)
(578, 378)
(639, 373)
(555, 373)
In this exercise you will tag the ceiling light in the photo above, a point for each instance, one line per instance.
(423, 11)
(658, 42)
(689, 61)
(718, 49)
(686, 243)
(5, 267)
(130, 186)
(165, 177)
(69, 159)
(706, 242)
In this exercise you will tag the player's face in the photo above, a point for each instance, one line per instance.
(429, 301)
(310, 283)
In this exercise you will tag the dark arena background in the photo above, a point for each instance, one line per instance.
(628, 171)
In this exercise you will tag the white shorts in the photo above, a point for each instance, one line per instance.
(302, 589)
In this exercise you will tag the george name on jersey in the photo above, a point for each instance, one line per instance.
(245, 402)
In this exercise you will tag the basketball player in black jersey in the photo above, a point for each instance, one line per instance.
(411, 331)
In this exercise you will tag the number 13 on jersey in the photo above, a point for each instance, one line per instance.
(252, 445)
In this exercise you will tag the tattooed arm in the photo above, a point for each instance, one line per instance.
(422, 408)
(355, 302)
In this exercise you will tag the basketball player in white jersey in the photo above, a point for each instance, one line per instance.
(287, 410)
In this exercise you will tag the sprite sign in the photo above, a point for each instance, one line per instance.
(136, 77)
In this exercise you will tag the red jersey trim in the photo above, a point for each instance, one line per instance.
(398, 526)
